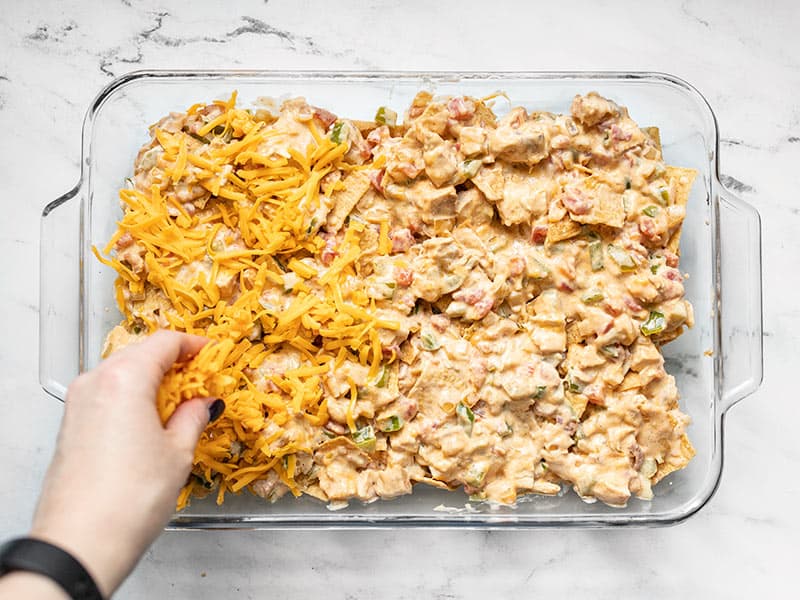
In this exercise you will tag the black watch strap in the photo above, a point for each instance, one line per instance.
(28, 554)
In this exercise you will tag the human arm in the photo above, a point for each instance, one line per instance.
(117, 471)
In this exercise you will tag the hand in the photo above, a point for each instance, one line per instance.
(117, 472)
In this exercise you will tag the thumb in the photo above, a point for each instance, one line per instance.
(190, 419)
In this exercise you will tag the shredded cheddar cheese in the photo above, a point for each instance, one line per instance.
(252, 235)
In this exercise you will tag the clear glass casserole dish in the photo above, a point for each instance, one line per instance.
(716, 364)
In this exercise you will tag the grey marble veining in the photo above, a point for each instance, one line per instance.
(745, 59)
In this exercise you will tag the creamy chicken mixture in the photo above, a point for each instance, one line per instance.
(516, 277)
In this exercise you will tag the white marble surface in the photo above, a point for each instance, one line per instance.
(744, 57)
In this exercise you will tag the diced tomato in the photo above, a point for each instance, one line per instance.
(516, 266)
(376, 179)
(617, 133)
(329, 252)
(461, 108)
(575, 203)
(671, 258)
(483, 308)
(325, 117)
(632, 304)
(377, 135)
(402, 240)
(649, 228)
(471, 295)
(403, 277)
(440, 322)
(539, 234)
(565, 286)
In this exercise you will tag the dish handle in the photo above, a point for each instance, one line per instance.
(59, 296)
(741, 343)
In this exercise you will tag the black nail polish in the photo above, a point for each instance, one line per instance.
(215, 410)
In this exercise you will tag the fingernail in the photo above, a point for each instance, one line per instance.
(215, 410)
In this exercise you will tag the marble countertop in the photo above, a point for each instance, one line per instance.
(745, 59)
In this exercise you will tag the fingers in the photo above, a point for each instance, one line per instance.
(190, 418)
(162, 349)
(168, 347)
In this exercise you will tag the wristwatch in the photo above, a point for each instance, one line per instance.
(36, 556)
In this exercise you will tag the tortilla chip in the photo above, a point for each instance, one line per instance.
(668, 336)
(364, 127)
(665, 468)
(653, 134)
(355, 186)
(578, 403)
(607, 205)
(632, 381)
(315, 491)
(549, 488)
(565, 229)
(435, 483)
(346, 444)
(577, 331)
(491, 181)
(680, 181)
(574, 334)
(610, 211)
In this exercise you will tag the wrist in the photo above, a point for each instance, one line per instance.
(32, 586)
(100, 562)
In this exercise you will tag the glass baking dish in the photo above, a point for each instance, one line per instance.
(716, 364)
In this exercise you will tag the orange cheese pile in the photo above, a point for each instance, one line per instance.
(268, 198)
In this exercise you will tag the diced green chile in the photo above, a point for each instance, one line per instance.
(541, 390)
(592, 296)
(465, 417)
(383, 377)
(612, 351)
(429, 342)
(386, 116)
(200, 138)
(650, 211)
(475, 475)
(596, 255)
(338, 132)
(655, 323)
(573, 386)
(622, 258)
(470, 168)
(662, 195)
(364, 438)
(391, 424)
